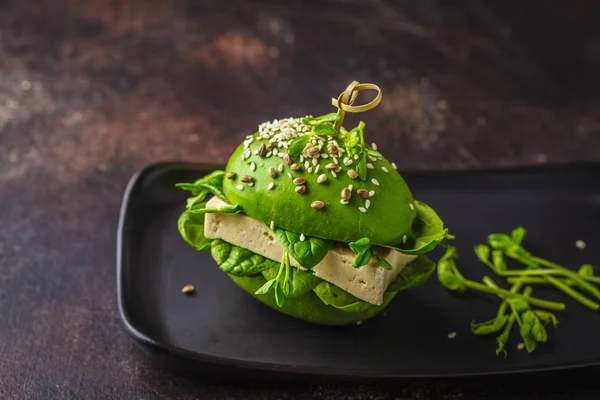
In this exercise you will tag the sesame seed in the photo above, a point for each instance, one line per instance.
(302, 237)
(317, 169)
(359, 323)
(188, 289)
(370, 166)
(371, 193)
(344, 201)
(280, 167)
(252, 166)
(272, 226)
(384, 169)
(374, 146)
(356, 156)
(251, 184)
(300, 189)
(275, 151)
(404, 238)
(412, 207)
(367, 203)
(333, 174)
(301, 158)
(324, 155)
(372, 158)
(315, 161)
(520, 346)
(306, 164)
(322, 178)
(451, 335)
(350, 187)
(317, 204)
(271, 186)
(230, 175)
(309, 170)
(580, 244)
(335, 160)
(362, 209)
(290, 175)
(239, 187)
(268, 154)
(375, 181)
(347, 162)
(250, 139)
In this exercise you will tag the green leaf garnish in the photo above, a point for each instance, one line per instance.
(382, 261)
(361, 167)
(362, 249)
(324, 130)
(331, 117)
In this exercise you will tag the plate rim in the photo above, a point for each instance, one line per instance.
(138, 335)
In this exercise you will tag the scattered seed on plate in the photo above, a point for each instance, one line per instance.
(230, 175)
(580, 244)
(375, 181)
(317, 204)
(451, 335)
(306, 164)
(271, 186)
(520, 346)
(350, 187)
(188, 289)
(315, 161)
(362, 209)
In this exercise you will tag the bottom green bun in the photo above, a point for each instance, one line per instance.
(309, 307)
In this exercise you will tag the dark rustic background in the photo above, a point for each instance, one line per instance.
(90, 91)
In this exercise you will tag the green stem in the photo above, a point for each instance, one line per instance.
(550, 305)
(550, 264)
(573, 293)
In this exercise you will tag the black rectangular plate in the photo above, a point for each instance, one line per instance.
(223, 325)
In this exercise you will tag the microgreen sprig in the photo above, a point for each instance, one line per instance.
(281, 284)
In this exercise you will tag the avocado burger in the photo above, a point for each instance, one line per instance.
(312, 221)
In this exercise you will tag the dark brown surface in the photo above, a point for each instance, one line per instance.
(93, 90)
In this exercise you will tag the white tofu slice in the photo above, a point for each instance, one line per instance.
(367, 283)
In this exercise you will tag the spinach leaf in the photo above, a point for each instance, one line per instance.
(427, 231)
(191, 228)
(414, 274)
(228, 209)
(300, 282)
(238, 261)
(211, 183)
(334, 296)
(298, 145)
(308, 252)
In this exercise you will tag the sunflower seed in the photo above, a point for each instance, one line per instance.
(363, 193)
(286, 158)
(295, 167)
(317, 204)
(300, 189)
(352, 174)
(345, 194)
(299, 181)
(188, 289)
(245, 178)
(272, 172)
(230, 175)
(331, 167)
(262, 150)
(313, 151)
(332, 149)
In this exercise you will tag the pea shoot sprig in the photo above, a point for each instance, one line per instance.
(281, 284)
(518, 307)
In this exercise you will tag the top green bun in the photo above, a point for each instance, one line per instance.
(271, 196)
